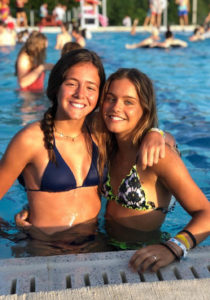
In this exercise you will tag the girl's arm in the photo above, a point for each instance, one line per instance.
(174, 175)
(17, 155)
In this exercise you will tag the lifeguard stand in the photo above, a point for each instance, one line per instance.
(89, 17)
(89, 14)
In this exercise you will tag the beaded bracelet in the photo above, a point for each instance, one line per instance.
(157, 130)
(184, 240)
(191, 236)
(182, 246)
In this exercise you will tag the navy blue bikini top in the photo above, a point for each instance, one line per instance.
(58, 177)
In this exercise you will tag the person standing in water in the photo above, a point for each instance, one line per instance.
(30, 66)
(138, 199)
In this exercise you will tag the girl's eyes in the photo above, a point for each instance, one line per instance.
(128, 102)
(110, 99)
(71, 84)
(113, 100)
(91, 88)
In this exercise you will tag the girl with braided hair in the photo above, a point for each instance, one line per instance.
(59, 160)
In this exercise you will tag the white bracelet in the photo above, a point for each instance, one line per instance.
(182, 246)
(157, 130)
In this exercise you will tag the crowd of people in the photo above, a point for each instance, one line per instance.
(100, 138)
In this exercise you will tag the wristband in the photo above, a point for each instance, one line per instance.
(157, 130)
(182, 246)
(183, 239)
(191, 236)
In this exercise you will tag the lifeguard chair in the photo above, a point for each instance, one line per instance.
(89, 14)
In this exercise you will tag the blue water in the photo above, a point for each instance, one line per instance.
(182, 83)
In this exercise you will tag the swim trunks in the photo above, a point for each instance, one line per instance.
(130, 193)
(58, 176)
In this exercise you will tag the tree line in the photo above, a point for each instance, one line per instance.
(117, 9)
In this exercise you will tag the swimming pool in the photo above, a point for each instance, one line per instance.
(181, 79)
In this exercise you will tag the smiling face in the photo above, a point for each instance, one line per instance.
(79, 92)
(121, 107)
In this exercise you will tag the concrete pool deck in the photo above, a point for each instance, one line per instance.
(103, 275)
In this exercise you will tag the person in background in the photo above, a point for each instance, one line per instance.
(69, 47)
(76, 34)
(7, 38)
(21, 14)
(44, 10)
(157, 7)
(22, 36)
(133, 29)
(207, 19)
(197, 34)
(154, 37)
(4, 10)
(169, 41)
(59, 13)
(30, 65)
(63, 37)
(138, 200)
(183, 11)
(126, 21)
(147, 20)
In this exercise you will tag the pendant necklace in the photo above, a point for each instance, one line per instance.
(72, 138)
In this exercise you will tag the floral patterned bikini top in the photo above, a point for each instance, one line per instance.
(130, 193)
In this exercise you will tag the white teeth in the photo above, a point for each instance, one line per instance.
(116, 118)
(77, 105)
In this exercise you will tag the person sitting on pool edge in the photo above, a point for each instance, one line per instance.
(30, 66)
(138, 199)
(57, 175)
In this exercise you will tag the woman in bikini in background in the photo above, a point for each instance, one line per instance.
(30, 65)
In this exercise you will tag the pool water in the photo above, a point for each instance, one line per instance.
(182, 83)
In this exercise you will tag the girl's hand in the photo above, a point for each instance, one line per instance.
(151, 257)
(151, 149)
(21, 219)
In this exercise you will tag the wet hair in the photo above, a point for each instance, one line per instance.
(56, 78)
(168, 34)
(35, 48)
(69, 46)
(196, 30)
(107, 143)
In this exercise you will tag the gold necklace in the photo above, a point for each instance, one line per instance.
(72, 138)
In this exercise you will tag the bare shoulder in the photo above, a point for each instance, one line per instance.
(170, 164)
(30, 136)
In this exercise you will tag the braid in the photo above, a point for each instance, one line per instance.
(47, 125)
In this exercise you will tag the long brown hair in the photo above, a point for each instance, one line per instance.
(35, 48)
(56, 78)
(144, 88)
